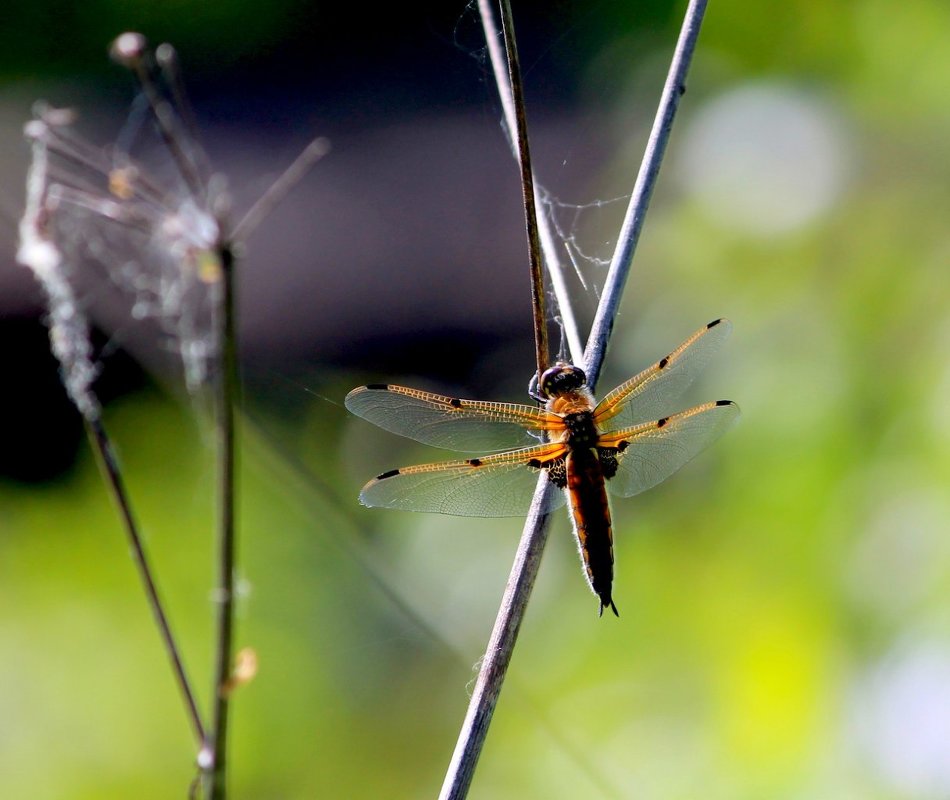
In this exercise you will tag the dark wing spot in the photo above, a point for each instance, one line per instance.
(378, 387)
(391, 474)
(621, 446)
(661, 422)
(724, 402)
(455, 402)
(713, 324)
(534, 464)
(475, 462)
(663, 362)
(557, 472)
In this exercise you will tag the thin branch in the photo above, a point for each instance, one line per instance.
(548, 241)
(501, 645)
(527, 561)
(674, 88)
(280, 188)
(131, 51)
(166, 58)
(527, 191)
(226, 390)
(214, 757)
(105, 454)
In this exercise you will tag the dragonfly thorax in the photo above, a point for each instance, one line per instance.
(581, 431)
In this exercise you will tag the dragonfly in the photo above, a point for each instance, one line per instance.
(627, 443)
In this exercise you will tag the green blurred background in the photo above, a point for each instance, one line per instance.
(785, 598)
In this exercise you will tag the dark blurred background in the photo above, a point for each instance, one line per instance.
(785, 598)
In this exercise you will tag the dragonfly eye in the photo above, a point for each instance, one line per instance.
(562, 378)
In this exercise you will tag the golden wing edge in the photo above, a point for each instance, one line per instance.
(498, 485)
(629, 481)
(450, 423)
(615, 400)
(513, 413)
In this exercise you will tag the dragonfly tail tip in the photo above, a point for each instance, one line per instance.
(604, 603)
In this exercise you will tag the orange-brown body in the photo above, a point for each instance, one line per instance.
(584, 481)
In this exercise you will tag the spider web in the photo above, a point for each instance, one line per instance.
(580, 247)
(112, 239)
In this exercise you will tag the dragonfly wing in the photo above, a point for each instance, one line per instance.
(440, 421)
(499, 485)
(652, 393)
(651, 452)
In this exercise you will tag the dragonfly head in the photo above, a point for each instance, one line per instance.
(561, 378)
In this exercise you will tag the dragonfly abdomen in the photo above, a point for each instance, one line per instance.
(590, 515)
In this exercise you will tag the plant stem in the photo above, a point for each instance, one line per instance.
(674, 88)
(280, 188)
(102, 445)
(501, 644)
(527, 190)
(226, 396)
(524, 571)
(549, 247)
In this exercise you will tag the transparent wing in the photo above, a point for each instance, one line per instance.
(499, 485)
(466, 425)
(648, 396)
(650, 453)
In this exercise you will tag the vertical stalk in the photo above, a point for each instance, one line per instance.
(527, 190)
(226, 390)
(549, 247)
(673, 90)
